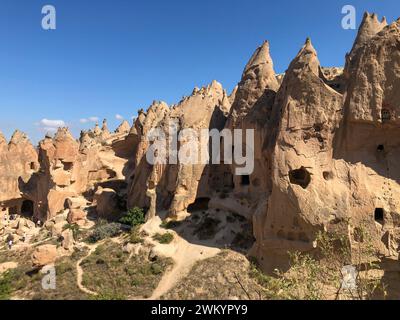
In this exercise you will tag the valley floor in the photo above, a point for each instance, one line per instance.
(201, 256)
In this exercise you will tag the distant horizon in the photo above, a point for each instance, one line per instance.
(111, 59)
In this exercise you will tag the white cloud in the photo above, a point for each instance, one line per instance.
(90, 119)
(119, 117)
(93, 119)
(50, 126)
(52, 123)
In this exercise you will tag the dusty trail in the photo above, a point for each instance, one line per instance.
(79, 270)
(184, 255)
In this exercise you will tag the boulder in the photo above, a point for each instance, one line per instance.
(106, 201)
(76, 215)
(68, 239)
(44, 255)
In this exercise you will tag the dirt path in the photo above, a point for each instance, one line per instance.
(186, 256)
(79, 270)
(183, 253)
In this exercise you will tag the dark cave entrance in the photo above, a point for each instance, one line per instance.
(200, 204)
(27, 209)
(300, 177)
(379, 215)
(68, 166)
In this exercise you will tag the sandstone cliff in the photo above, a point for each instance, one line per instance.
(325, 151)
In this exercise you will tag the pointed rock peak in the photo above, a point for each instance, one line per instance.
(18, 137)
(97, 129)
(157, 107)
(83, 134)
(307, 58)
(124, 127)
(260, 57)
(308, 47)
(141, 111)
(369, 27)
(195, 91)
(215, 87)
(260, 70)
(157, 103)
(216, 84)
(63, 134)
(104, 128)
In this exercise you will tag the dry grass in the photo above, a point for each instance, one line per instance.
(225, 276)
(115, 275)
(26, 282)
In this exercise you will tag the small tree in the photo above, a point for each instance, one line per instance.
(134, 217)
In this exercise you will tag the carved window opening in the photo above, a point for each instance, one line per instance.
(386, 116)
(300, 177)
(379, 215)
(27, 208)
(68, 166)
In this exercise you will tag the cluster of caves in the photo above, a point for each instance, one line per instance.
(302, 178)
(22, 207)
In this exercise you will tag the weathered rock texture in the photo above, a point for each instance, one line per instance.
(64, 174)
(174, 187)
(18, 162)
(326, 150)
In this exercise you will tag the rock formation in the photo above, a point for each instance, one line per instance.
(174, 187)
(18, 162)
(326, 144)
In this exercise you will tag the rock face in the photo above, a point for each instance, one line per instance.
(44, 255)
(332, 154)
(301, 199)
(18, 162)
(174, 187)
(64, 173)
(326, 142)
(256, 86)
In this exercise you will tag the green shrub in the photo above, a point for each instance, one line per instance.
(134, 217)
(156, 269)
(5, 286)
(105, 231)
(165, 238)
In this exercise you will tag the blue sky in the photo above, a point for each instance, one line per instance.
(110, 57)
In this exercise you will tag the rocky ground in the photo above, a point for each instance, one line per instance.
(148, 263)
(161, 259)
(323, 194)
